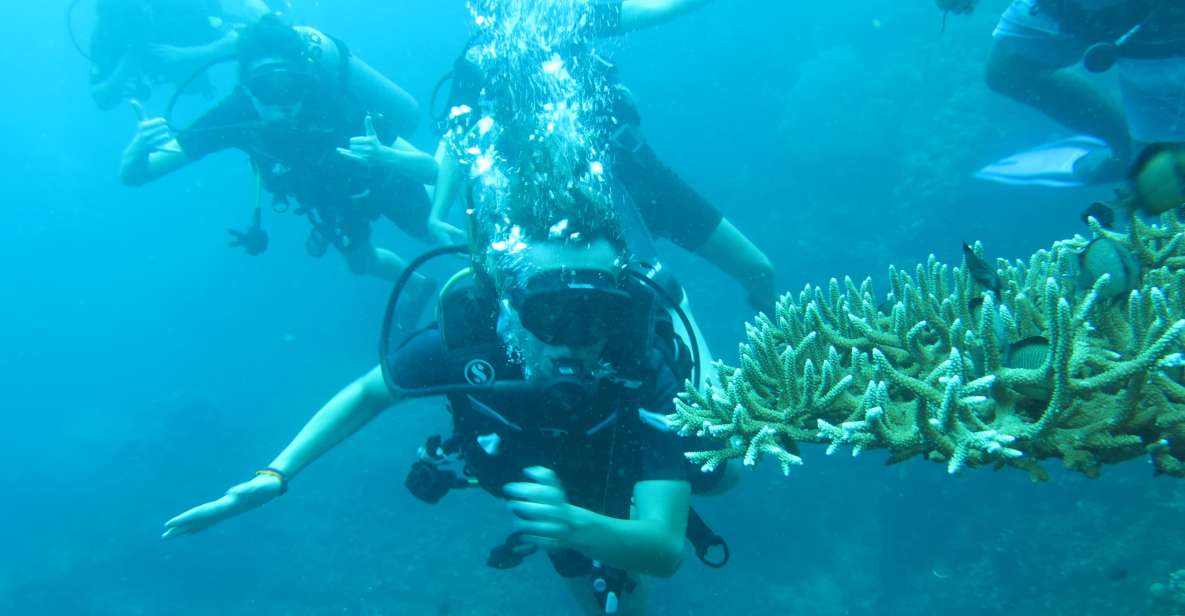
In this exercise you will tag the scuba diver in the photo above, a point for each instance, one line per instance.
(316, 122)
(670, 208)
(138, 44)
(1036, 40)
(559, 364)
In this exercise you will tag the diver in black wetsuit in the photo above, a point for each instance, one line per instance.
(559, 366)
(669, 206)
(137, 44)
(1145, 39)
(302, 101)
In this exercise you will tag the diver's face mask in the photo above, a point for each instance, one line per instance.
(570, 307)
(278, 89)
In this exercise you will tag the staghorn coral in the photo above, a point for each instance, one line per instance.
(1170, 594)
(933, 371)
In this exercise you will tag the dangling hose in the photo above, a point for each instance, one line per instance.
(70, 10)
(202, 70)
(438, 119)
(388, 323)
(258, 192)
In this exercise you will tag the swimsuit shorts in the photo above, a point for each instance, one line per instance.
(1153, 90)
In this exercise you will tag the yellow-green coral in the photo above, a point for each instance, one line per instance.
(927, 372)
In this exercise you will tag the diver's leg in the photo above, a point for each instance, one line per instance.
(1030, 48)
(633, 603)
(1154, 98)
(1066, 97)
(672, 209)
(364, 259)
(582, 593)
(736, 255)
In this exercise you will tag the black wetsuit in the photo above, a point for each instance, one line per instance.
(580, 440)
(670, 208)
(1162, 34)
(299, 160)
(601, 440)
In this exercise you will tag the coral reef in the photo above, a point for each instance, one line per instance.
(1170, 594)
(1074, 355)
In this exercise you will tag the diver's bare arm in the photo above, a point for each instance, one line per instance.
(347, 412)
(224, 48)
(448, 181)
(138, 167)
(638, 14)
(406, 159)
(649, 544)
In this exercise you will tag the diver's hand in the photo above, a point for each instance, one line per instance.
(238, 500)
(253, 240)
(545, 516)
(152, 134)
(368, 149)
(444, 233)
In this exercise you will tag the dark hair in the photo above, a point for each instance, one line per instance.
(551, 194)
(270, 37)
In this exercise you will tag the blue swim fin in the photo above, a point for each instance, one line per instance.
(1061, 164)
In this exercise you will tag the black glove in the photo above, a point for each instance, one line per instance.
(253, 240)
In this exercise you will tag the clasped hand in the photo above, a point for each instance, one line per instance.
(543, 513)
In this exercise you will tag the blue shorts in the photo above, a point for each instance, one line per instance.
(1153, 90)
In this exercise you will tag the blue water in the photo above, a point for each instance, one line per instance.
(146, 367)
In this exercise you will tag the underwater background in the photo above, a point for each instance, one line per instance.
(146, 367)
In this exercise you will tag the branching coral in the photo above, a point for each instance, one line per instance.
(1064, 364)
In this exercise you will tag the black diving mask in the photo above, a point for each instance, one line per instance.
(571, 307)
(279, 84)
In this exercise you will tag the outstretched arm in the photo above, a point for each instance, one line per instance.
(348, 411)
(638, 14)
(352, 408)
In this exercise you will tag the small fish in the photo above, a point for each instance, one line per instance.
(1028, 354)
(1101, 212)
(981, 272)
(1106, 256)
(1118, 574)
(1157, 178)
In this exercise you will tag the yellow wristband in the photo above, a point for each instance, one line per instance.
(279, 475)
